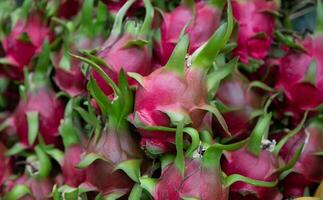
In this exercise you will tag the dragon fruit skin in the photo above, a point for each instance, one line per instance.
(18, 52)
(5, 167)
(164, 91)
(199, 31)
(131, 59)
(234, 93)
(256, 27)
(50, 112)
(69, 8)
(293, 67)
(198, 182)
(116, 148)
(308, 169)
(73, 176)
(71, 81)
(259, 168)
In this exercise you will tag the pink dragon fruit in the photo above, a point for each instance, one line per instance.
(115, 148)
(300, 76)
(131, 59)
(50, 112)
(199, 31)
(71, 81)
(256, 27)
(69, 8)
(233, 92)
(164, 91)
(73, 176)
(25, 41)
(197, 182)
(119, 53)
(5, 168)
(261, 168)
(176, 90)
(308, 169)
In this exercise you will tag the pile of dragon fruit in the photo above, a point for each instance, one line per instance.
(161, 100)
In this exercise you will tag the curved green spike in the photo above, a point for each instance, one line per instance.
(148, 183)
(194, 134)
(212, 157)
(180, 160)
(176, 62)
(148, 18)
(117, 25)
(205, 55)
(100, 71)
(290, 134)
(229, 180)
(258, 133)
(319, 17)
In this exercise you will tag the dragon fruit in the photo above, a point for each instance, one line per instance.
(119, 53)
(50, 112)
(258, 163)
(300, 76)
(198, 182)
(73, 176)
(131, 59)
(199, 31)
(234, 93)
(261, 168)
(256, 26)
(115, 144)
(69, 8)
(308, 168)
(154, 98)
(24, 42)
(176, 90)
(115, 148)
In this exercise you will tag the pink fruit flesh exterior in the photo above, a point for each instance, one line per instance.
(308, 169)
(71, 81)
(198, 31)
(165, 91)
(50, 112)
(259, 168)
(131, 59)
(5, 167)
(69, 8)
(116, 149)
(197, 182)
(293, 67)
(72, 175)
(234, 93)
(254, 19)
(19, 53)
